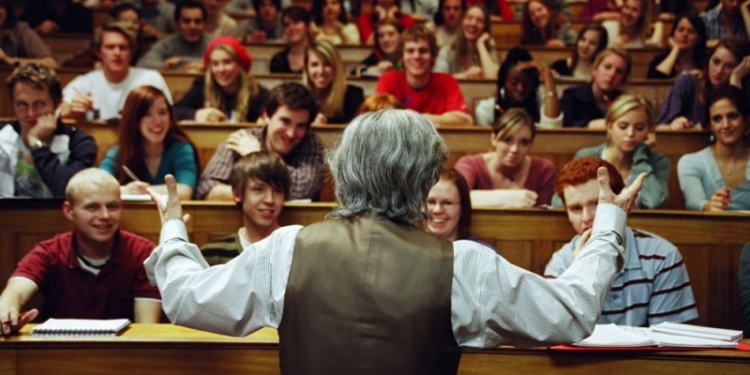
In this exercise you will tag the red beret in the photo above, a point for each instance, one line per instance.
(244, 58)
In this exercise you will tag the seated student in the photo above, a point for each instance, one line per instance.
(717, 178)
(218, 22)
(585, 105)
(387, 53)
(508, 176)
(183, 51)
(232, 94)
(159, 17)
(437, 96)
(447, 21)
(632, 28)
(151, 145)
(449, 208)
(20, 43)
(38, 153)
(94, 272)
(726, 20)
(332, 23)
(288, 113)
(324, 75)
(540, 25)
(473, 54)
(260, 182)
(381, 9)
(592, 40)
(265, 26)
(653, 286)
(685, 106)
(296, 22)
(629, 121)
(744, 276)
(688, 52)
(519, 85)
(101, 93)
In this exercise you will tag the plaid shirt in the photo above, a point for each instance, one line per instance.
(715, 25)
(305, 164)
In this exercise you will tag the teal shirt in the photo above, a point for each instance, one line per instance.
(178, 160)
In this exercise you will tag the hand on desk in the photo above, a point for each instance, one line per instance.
(11, 321)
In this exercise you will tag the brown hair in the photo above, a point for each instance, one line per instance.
(263, 166)
(123, 28)
(615, 51)
(131, 151)
(512, 121)
(531, 34)
(39, 77)
(418, 32)
(464, 222)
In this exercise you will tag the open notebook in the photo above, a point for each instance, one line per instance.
(80, 327)
(614, 336)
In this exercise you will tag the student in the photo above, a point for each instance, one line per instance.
(232, 94)
(181, 52)
(653, 286)
(585, 105)
(508, 176)
(540, 25)
(20, 43)
(93, 272)
(717, 178)
(260, 182)
(100, 94)
(449, 208)
(159, 17)
(685, 106)
(361, 262)
(448, 21)
(592, 40)
(726, 20)
(377, 102)
(332, 23)
(218, 22)
(633, 26)
(288, 113)
(688, 49)
(151, 145)
(519, 85)
(324, 75)
(296, 22)
(437, 96)
(629, 121)
(265, 26)
(387, 53)
(38, 153)
(381, 9)
(473, 54)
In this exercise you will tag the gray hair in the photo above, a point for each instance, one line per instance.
(386, 163)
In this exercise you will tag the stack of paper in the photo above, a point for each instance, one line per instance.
(698, 331)
(663, 334)
(611, 335)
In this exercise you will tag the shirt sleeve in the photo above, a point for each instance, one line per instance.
(350, 34)
(443, 63)
(33, 45)
(679, 98)
(194, 295)
(155, 57)
(466, 167)
(306, 173)
(185, 166)
(217, 172)
(484, 114)
(109, 163)
(161, 84)
(655, 190)
(55, 173)
(690, 176)
(455, 100)
(35, 266)
(546, 183)
(484, 283)
(191, 102)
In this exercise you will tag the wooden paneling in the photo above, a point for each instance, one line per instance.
(710, 243)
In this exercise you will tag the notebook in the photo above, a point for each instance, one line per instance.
(80, 327)
(698, 331)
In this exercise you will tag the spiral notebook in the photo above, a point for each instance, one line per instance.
(690, 330)
(80, 327)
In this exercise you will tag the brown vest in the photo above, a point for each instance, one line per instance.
(368, 296)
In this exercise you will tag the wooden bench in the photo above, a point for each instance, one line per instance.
(710, 243)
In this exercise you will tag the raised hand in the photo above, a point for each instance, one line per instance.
(626, 198)
(169, 208)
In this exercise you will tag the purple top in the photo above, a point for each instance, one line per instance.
(541, 177)
(682, 101)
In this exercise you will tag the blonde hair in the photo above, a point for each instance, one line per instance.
(615, 51)
(626, 103)
(331, 101)
(643, 27)
(88, 177)
(246, 90)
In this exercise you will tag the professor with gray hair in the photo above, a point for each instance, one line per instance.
(367, 291)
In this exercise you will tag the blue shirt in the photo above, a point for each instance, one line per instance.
(653, 286)
(178, 159)
(700, 177)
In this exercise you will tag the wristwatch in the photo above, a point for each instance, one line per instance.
(37, 145)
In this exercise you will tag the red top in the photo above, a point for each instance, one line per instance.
(442, 93)
(506, 12)
(71, 292)
(367, 27)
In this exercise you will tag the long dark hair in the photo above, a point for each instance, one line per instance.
(438, 17)
(514, 57)
(131, 150)
(699, 50)
(739, 49)
(464, 222)
(603, 41)
(531, 34)
(317, 12)
(739, 99)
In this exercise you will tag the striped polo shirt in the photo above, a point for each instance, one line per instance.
(653, 286)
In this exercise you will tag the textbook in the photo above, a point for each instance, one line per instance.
(80, 327)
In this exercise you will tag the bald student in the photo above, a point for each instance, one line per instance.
(94, 272)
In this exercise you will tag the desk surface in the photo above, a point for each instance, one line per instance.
(169, 349)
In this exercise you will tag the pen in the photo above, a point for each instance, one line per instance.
(130, 173)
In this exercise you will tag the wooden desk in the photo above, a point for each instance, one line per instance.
(168, 349)
(710, 244)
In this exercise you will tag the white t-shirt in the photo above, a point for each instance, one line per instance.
(109, 97)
